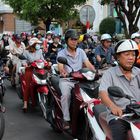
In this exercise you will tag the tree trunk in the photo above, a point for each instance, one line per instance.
(122, 18)
(47, 23)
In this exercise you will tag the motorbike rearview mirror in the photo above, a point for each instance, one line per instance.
(116, 91)
(64, 61)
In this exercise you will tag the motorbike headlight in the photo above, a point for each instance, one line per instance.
(40, 65)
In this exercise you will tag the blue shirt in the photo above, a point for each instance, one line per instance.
(99, 50)
(75, 62)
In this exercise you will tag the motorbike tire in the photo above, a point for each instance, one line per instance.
(43, 103)
(2, 125)
(2, 91)
(19, 91)
(85, 132)
(51, 116)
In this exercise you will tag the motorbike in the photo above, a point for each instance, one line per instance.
(38, 85)
(85, 85)
(3, 76)
(99, 126)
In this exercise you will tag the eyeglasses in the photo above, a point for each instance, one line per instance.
(73, 39)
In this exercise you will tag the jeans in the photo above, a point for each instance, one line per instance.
(119, 129)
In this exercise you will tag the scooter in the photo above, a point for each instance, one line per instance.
(97, 114)
(85, 85)
(38, 85)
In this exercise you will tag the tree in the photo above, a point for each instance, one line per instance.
(128, 12)
(107, 25)
(45, 10)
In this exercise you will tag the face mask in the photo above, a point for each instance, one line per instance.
(37, 46)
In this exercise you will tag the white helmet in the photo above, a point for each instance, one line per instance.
(126, 45)
(34, 40)
(106, 37)
(49, 32)
(135, 35)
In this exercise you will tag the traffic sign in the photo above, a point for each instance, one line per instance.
(87, 14)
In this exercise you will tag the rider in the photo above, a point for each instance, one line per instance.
(136, 38)
(76, 58)
(33, 53)
(104, 50)
(126, 76)
(54, 48)
(17, 47)
(87, 45)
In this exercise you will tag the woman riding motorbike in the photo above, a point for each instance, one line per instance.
(33, 53)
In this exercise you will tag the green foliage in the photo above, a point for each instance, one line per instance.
(103, 2)
(35, 10)
(128, 12)
(107, 25)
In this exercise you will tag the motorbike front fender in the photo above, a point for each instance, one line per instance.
(43, 89)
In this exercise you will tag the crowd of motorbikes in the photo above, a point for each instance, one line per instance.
(87, 113)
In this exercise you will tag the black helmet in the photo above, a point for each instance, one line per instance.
(70, 34)
(86, 37)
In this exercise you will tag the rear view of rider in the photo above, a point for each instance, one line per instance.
(127, 77)
(104, 50)
(76, 58)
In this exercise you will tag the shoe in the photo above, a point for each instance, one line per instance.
(24, 109)
(66, 125)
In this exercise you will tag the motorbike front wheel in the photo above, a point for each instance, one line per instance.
(2, 92)
(2, 125)
(43, 103)
(85, 132)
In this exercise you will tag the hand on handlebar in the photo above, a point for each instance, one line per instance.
(117, 111)
(64, 74)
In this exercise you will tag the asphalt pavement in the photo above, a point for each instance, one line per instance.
(26, 126)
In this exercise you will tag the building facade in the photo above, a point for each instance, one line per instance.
(10, 23)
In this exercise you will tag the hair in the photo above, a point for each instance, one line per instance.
(32, 48)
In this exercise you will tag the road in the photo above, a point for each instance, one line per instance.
(26, 126)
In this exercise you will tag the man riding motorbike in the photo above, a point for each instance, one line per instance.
(126, 76)
(76, 58)
(54, 48)
(104, 50)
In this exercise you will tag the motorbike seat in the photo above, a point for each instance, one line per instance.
(55, 83)
(98, 109)
(106, 129)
